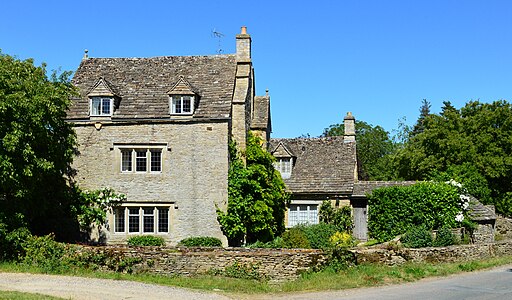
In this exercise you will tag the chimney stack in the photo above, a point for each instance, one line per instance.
(243, 46)
(349, 123)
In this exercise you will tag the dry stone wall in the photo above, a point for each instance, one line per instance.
(272, 264)
(433, 255)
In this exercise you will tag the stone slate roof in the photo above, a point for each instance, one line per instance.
(261, 113)
(321, 165)
(479, 212)
(142, 84)
(362, 188)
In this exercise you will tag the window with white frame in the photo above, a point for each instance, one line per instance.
(302, 214)
(101, 106)
(284, 166)
(141, 219)
(141, 160)
(182, 104)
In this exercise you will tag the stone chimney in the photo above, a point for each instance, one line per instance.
(243, 46)
(243, 94)
(349, 123)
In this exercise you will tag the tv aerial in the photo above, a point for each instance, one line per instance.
(218, 35)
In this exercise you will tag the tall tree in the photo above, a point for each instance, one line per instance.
(473, 143)
(256, 196)
(36, 145)
(373, 149)
(424, 113)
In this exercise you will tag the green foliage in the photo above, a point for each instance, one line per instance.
(417, 237)
(295, 238)
(36, 146)
(44, 252)
(373, 149)
(146, 240)
(201, 241)
(319, 235)
(444, 237)
(274, 244)
(474, 143)
(256, 196)
(242, 271)
(91, 207)
(341, 217)
(13, 233)
(395, 210)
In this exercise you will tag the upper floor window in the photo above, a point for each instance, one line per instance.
(182, 104)
(102, 106)
(141, 160)
(284, 166)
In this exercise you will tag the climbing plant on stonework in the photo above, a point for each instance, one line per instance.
(256, 196)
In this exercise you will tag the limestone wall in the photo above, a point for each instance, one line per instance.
(433, 254)
(192, 182)
(271, 264)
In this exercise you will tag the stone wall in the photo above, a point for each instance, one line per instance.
(392, 256)
(193, 180)
(272, 264)
(504, 227)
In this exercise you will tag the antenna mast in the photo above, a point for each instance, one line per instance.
(218, 35)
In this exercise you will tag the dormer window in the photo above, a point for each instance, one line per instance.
(284, 166)
(102, 106)
(182, 104)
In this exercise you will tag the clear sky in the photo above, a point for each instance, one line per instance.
(319, 59)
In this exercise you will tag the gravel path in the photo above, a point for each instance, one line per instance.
(80, 288)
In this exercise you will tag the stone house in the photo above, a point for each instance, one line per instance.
(157, 130)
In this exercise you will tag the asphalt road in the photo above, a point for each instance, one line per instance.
(491, 284)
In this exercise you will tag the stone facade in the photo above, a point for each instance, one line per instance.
(173, 116)
(272, 264)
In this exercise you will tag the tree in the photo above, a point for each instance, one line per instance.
(36, 144)
(424, 113)
(373, 149)
(256, 196)
(473, 144)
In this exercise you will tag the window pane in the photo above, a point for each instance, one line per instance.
(105, 106)
(313, 214)
(176, 104)
(133, 220)
(163, 220)
(149, 219)
(187, 104)
(141, 161)
(119, 219)
(293, 215)
(156, 160)
(95, 106)
(126, 160)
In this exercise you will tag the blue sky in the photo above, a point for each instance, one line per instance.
(319, 59)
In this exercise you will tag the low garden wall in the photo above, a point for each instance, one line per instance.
(395, 255)
(271, 264)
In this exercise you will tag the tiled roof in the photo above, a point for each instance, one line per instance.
(362, 188)
(321, 165)
(143, 84)
(480, 212)
(261, 112)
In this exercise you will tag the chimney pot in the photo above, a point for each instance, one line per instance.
(244, 30)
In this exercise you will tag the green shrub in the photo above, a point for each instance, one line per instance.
(274, 244)
(200, 241)
(417, 237)
(340, 217)
(319, 235)
(44, 252)
(395, 210)
(146, 240)
(444, 237)
(295, 238)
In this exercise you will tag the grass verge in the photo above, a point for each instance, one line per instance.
(359, 276)
(24, 296)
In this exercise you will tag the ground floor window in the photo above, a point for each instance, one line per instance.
(302, 214)
(141, 219)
